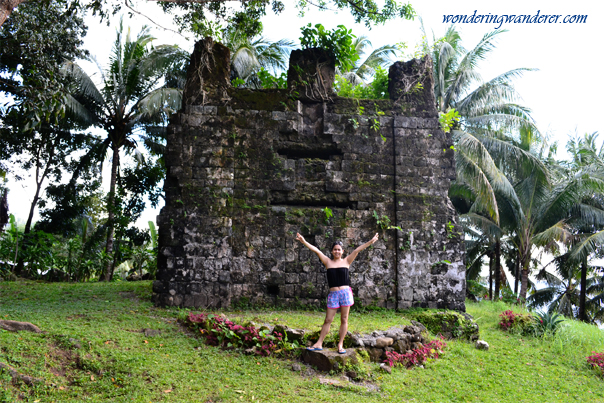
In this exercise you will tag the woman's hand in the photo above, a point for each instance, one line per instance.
(350, 258)
(374, 239)
(324, 259)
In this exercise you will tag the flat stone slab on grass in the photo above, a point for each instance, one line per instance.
(332, 382)
(14, 326)
(327, 360)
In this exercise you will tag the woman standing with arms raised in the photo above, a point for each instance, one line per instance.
(340, 293)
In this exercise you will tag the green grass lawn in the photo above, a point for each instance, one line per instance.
(109, 359)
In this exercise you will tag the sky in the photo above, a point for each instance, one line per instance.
(562, 94)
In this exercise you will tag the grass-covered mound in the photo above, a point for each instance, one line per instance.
(95, 348)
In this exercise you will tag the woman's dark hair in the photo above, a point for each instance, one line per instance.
(337, 243)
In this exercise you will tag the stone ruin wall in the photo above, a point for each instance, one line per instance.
(247, 169)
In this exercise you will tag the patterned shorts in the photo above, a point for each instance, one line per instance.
(336, 299)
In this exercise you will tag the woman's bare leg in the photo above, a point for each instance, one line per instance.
(344, 311)
(325, 329)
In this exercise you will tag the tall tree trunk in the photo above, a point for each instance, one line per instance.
(582, 312)
(491, 262)
(4, 217)
(497, 268)
(111, 213)
(6, 7)
(526, 261)
(32, 208)
(39, 180)
(516, 273)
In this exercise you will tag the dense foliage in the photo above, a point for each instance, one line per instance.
(219, 331)
(377, 89)
(338, 41)
(35, 134)
(597, 361)
(196, 17)
(416, 357)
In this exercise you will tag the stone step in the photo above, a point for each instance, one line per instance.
(327, 360)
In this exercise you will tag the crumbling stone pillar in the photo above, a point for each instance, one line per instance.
(311, 74)
(411, 87)
(208, 73)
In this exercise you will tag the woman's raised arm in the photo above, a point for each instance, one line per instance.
(324, 259)
(350, 258)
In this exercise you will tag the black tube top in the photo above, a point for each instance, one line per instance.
(338, 277)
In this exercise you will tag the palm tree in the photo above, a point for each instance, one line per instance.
(249, 55)
(587, 157)
(563, 293)
(487, 111)
(457, 84)
(483, 184)
(482, 239)
(362, 70)
(530, 205)
(547, 210)
(495, 170)
(131, 95)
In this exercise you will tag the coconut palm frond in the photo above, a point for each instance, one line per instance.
(559, 232)
(466, 72)
(458, 85)
(564, 305)
(161, 100)
(86, 86)
(524, 162)
(486, 226)
(360, 43)
(353, 78)
(274, 55)
(79, 111)
(483, 120)
(461, 190)
(565, 195)
(589, 245)
(161, 58)
(532, 193)
(475, 267)
(378, 57)
(552, 279)
(595, 286)
(244, 61)
(481, 50)
(155, 147)
(543, 297)
(474, 236)
(444, 61)
(472, 174)
(474, 150)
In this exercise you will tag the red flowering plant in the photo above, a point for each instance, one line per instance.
(428, 352)
(219, 331)
(511, 321)
(596, 361)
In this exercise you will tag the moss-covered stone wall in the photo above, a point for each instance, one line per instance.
(247, 169)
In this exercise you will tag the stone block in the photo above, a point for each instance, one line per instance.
(327, 360)
(383, 342)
